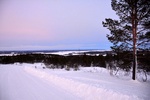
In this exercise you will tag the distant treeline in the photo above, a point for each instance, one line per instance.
(83, 60)
(122, 60)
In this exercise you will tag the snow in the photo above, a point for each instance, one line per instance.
(11, 54)
(16, 84)
(60, 52)
(72, 52)
(67, 52)
(25, 82)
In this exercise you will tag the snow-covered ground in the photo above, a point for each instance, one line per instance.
(25, 82)
(61, 52)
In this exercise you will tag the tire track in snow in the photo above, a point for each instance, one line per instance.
(85, 91)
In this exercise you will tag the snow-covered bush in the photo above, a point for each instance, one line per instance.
(67, 68)
(75, 67)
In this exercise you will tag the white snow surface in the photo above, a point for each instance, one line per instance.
(25, 82)
(67, 52)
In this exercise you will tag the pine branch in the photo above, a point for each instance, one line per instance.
(141, 31)
(128, 43)
(143, 42)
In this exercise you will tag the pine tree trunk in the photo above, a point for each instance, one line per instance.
(134, 56)
(134, 29)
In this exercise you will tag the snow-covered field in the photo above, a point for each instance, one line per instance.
(25, 82)
(58, 52)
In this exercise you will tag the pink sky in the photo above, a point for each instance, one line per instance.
(54, 24)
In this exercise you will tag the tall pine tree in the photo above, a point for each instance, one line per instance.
(131, 31)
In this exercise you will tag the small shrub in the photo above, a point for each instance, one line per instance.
(67, 68)
(76, 67)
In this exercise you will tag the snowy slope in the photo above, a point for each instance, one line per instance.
(101, 78)
(25, 82)
(16, 84)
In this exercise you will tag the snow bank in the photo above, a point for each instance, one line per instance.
(85, 91)
(94, 69)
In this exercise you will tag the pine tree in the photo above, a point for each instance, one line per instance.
(131, 31)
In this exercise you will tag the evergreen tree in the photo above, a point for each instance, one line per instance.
(131, 31)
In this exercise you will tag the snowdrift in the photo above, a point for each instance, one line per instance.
(85, 91)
